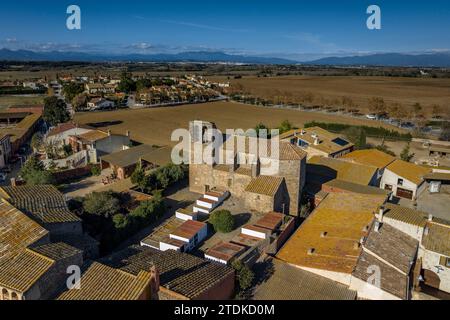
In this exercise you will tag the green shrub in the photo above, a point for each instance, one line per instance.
(101, 203)
(222, 221)
(244, 275)
(96, 171)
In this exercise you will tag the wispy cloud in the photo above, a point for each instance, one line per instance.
(203, 26)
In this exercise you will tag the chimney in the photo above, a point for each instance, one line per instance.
(426, 231)
(256, 169)
(13, 182)
(128, 133)
(377, 226)
(381, 213)
(430, 217)
(109, 132)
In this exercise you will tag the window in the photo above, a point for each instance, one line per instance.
(5, 294)
(303, 144)
(444, 261)
(400, 182)
(14, 296)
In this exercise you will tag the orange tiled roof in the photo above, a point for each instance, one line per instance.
(409, 171)
(265, 185)
(372, 157)
(329, 238)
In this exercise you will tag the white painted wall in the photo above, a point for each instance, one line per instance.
(430, 261)
(253, 233)
(391, 178)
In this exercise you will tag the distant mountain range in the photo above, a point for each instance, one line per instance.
(382, 59)
(390, 59)
(199, 56)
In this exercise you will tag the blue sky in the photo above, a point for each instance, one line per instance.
(277, 28)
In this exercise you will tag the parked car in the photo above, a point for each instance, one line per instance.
(371, 116)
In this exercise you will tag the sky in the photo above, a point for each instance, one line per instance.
(297, 29)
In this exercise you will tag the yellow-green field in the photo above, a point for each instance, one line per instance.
(154, 126)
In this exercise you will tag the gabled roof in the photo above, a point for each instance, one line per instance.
(291, 283)
(62, 128)
(42, 202)
(17, 231)
(189, 229)
(354, 187)
(329, 239)
(393, 246)
(182, 273)
(264, 185)
(22, 272)
(437, 238)
(101, 282)
(371, 157)
(340, 169)
(406, 215)
(329, 143)
(409, 171)
(128, 157)
(92, 136)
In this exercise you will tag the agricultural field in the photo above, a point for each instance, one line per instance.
(154, 126)
(406, 91)
(12, 100)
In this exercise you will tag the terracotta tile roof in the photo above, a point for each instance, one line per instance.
(340, 169)
(409, 171)
(265, 185)
(406, 215)
(270, 221)
(101, 282)
(93, 136)
(354, 187)
(438, 176)
(189, 229)
(44, 203)
(286, 150)
(291, 283)
(392, 280)
(328, 141)
(57, 250)
(437, 239)
(163, 231)
(225, 251)
(62, 128)
(128, 157)
(371, 157)
(24, 270)
(182, 273)
(329, 237)
(393, 246)
(17, 231)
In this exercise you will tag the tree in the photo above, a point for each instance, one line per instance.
(285, 126)
(149, 211)
(127, 83)
(120, 221)
(417, 110)
(79, 102)
(55, 111)
(72, 89)
(405, 155)
(357, 136)
(37, 141)
(436, 110)
(104, 204)
(34, 173)
(222, 221)
(377, 105)
(138, 177)
(244, 275)
(261, 127)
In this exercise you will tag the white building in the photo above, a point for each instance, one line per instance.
(404, 179)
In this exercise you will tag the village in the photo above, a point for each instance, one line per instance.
(336, 221)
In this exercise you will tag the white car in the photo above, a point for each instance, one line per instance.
(371, 116)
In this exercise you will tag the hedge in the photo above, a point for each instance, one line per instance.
(374, 132)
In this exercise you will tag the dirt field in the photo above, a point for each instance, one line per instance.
(154, 126)
(6, 101)
(406, 91)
